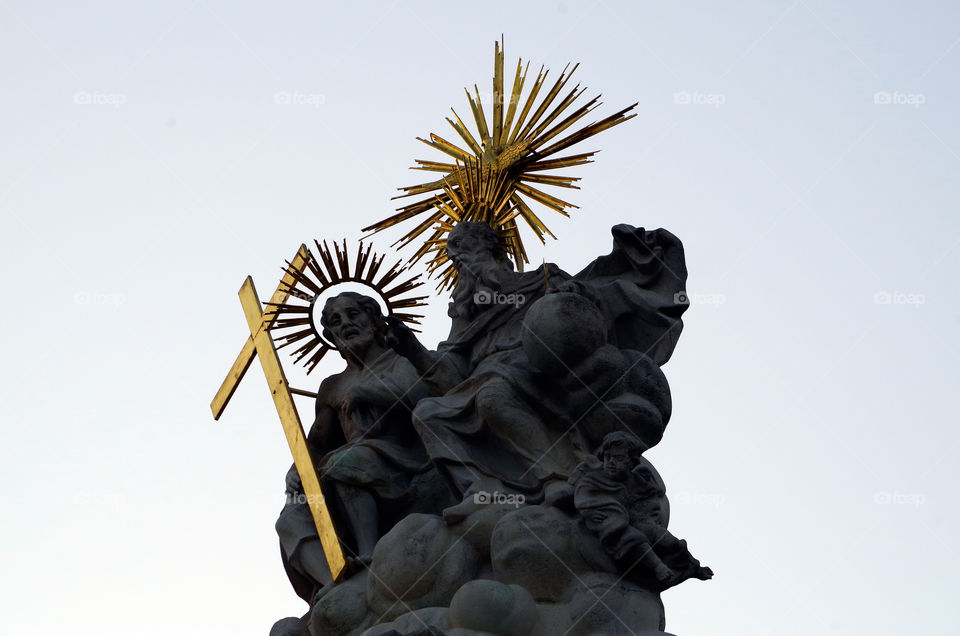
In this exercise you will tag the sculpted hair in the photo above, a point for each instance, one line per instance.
(484, 233)
(621, 439)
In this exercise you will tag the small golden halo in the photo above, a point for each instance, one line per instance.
(332, 268)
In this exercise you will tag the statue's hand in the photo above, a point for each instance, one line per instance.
(401, 338)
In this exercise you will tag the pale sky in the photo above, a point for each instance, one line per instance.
(806, 152)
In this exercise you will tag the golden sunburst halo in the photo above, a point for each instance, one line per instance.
(501, 171)
(296, 320)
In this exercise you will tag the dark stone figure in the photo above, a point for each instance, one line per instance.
(496, 486)
(593, 388)
(495, 427)
(300, 548)
(371, 464)
(479, 432)
(623, 500)
(374, 465)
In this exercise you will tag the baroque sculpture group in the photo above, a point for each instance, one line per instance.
(496, 485)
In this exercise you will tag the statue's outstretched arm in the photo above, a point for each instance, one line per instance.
(437, 369)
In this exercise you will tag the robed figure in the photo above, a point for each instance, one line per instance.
(495, 424)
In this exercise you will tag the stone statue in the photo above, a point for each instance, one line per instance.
(593, 388)
(494, 425)
(372, 466)
(494, 485)
(623, 500)
(300, 548)
(548, 390)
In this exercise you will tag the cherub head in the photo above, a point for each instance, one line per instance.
(620, 452)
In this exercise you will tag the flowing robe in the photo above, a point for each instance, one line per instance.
(362, 437)
(497, 414)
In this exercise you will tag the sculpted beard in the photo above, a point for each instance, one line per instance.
(474, 277)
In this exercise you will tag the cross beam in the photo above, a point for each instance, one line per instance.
(260, 345)
(249, 352)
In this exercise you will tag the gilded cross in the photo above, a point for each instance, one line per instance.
(260, 345)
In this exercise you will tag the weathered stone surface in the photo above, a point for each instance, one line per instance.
(289, 627)
(534, 413)
(420, 563)
(423, 622)
(342, 610)
(489, 606)
(547, 332)
(538, 547)
(549, 575)
(606, 604)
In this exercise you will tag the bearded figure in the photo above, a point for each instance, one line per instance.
(370, 461)
(496, 425)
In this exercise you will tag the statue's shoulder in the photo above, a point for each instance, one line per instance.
(331, 388)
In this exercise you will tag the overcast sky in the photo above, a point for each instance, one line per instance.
(806, 152)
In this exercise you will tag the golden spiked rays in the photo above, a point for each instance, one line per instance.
(502, 167)
(334, 268)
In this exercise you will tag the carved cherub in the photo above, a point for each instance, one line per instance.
(623, 500)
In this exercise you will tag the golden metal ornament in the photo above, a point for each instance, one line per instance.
(260, 345)
(501, 171)
(304, 286)
(249, 351)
